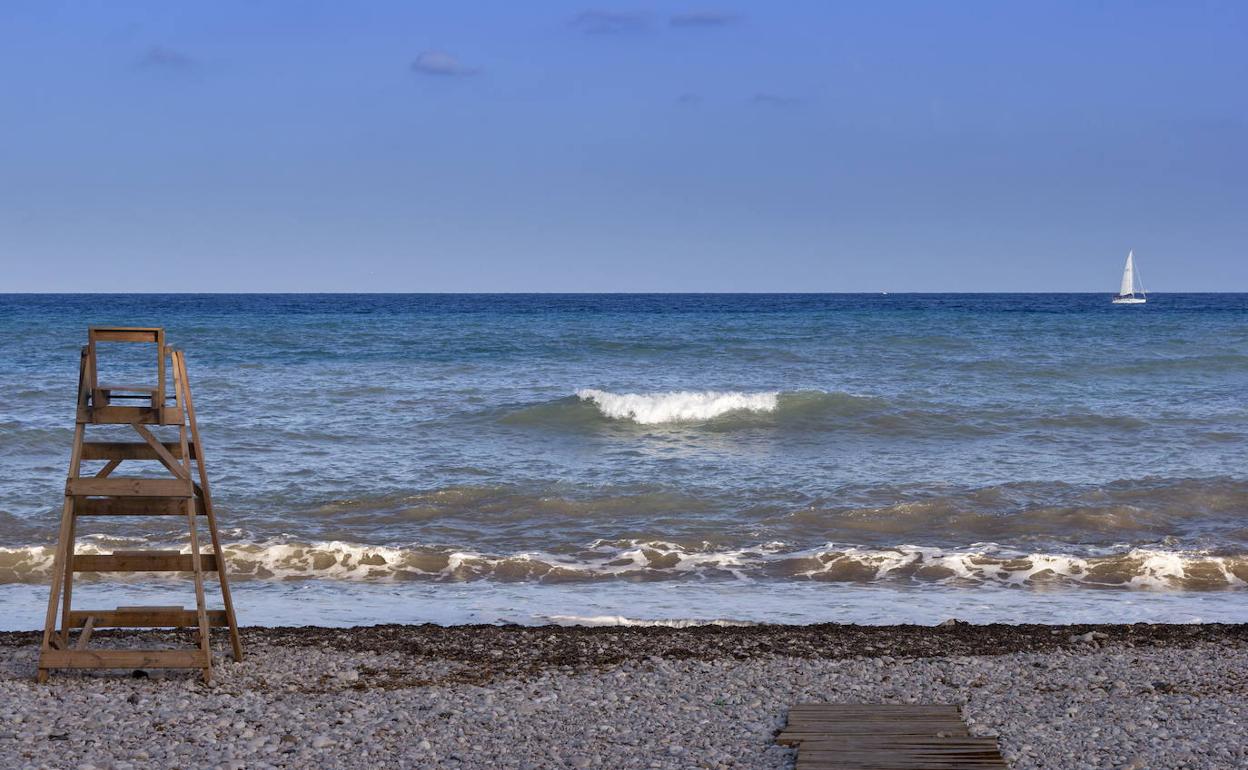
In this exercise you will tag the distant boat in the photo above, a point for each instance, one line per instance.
(1127, 295)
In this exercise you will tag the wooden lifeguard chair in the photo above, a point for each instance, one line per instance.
(177, 493)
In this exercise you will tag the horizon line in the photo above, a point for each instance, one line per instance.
(583, 293)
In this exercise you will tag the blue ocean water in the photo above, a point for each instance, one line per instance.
(757, 457)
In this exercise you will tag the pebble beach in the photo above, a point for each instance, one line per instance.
(1060, 697)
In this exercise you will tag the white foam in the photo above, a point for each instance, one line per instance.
(677, 406)
(976, 564)
(989, 563)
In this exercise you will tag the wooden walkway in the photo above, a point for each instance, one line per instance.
(886, 737)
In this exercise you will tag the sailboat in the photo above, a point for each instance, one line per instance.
(1127, 295)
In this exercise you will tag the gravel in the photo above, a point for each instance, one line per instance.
(484, 697)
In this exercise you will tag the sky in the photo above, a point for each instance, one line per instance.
(556, 146)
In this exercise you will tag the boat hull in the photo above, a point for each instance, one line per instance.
(1129, 300)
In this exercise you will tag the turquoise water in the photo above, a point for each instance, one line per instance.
(825, 456)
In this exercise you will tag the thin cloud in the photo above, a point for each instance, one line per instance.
(160, 57)
(775, 100)
(610, 22)
(703, 19)
(441, 64)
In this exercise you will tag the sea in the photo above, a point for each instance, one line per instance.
(666, 459)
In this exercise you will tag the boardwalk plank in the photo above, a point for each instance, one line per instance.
(886, 737)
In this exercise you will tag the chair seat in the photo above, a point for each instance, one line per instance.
(146, 389)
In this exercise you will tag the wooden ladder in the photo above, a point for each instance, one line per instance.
(103, 494)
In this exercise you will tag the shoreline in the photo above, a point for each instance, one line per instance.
(532, 697)
(345, 604)
(711, 640)
(530, 649)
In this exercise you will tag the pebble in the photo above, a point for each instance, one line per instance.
(1111, 704)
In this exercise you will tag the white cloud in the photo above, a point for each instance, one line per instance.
(442, 64)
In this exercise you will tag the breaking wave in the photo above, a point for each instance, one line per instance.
(591, 407)
(631, 560)
(677, 406)
(804, 410)
(620, 621)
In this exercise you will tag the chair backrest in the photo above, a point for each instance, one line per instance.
(149, 335)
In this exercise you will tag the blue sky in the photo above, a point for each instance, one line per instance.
(728, 146)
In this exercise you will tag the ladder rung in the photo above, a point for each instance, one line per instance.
(145, 617)
(128, 487)
(124, 415)
(130, 450)
(142, 561)
(122, 659)
(132, 506)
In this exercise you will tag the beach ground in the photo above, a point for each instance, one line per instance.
(1060, 697)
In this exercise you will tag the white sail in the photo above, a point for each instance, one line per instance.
(1128, 276)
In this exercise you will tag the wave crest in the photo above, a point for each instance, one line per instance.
(634, 560)
(677, 406)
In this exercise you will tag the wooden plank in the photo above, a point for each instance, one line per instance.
(875, 709)
(140, 391)
(802, 724)
(197, 573)
(141, 561)
(85, 377)
(800, 719)
(932, 746)
(122, 659)
(799, 723)
(165, 457)
(886, 737)
(881, 723)
(128, 450)
(132, 506)
(108, 468)
(900, 759)
(885, 712)
(916, 743)
(107, 397)
(177, 362)
(68, 582)
(61, 558)
(159, 398)
(128, 487)
(87, 387)
(145, 617)
(789, 737)
(124, 415)
(799, 733)
(149, 334)
(905, 757)
(900, 762)
(85, 636)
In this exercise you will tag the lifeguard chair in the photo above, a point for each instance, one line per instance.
(181, 491)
